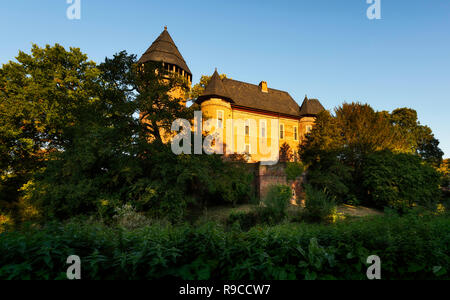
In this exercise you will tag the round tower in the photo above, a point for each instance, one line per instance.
(308, 113)
(216, 103)
(165, 51)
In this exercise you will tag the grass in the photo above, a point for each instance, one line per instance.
(220, 214)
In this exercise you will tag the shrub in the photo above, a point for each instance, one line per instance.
(415, 246)
(399, 181)
(5, 222)
(294, 170)
(245, 220)
(127, 217)
(319, 206)
(275, 204)
(331, 174)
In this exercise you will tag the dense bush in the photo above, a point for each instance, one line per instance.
(127, 217)
(319, 206)
(331, 174)
(294, 170)
(410, 247)
(272, 210)
(341, 149)
(400, 181)
(245, 220)
(275, 203)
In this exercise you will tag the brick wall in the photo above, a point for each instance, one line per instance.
(266, 176)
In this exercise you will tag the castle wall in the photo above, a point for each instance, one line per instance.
(294, 129)
(267, 176)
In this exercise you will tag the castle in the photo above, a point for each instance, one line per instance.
(258, 105)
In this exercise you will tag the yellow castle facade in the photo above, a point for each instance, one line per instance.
(250, 118)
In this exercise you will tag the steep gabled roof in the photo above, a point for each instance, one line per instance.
(215, 89)
(311, 107)
(250, 95)
(164, 49)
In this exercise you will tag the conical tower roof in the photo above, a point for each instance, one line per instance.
(165, 50)
(311, 107)
(215, 89)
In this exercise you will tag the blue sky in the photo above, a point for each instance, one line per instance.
(327, 49)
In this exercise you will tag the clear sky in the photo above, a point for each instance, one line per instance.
(327, 49)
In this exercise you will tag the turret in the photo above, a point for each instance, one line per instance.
(164, 50)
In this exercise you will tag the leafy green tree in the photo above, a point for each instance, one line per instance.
(420, 138)
(340, 147)
(160, 101)
(42, 97)
(445, 172)
(116, 152)
(400, 181)
(99, 160)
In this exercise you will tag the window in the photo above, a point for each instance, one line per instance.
(219, 119)
(308, 129)
(282, 131)
(247, 127)
(295, 133)
(263, 125)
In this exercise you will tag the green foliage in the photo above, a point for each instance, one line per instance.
(127, 217)
(445, 173)
(339, 147)
(420, 138)
(294, 170)
(272, 210)
(74, 144)
(43, 95)
(275, 203)
(319, 206)
(411, 247)
(331, 174)
(245, 220)
(400, 181)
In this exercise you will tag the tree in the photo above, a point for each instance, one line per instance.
(286, 153)
(112, 157)
(42, 97)
(445, 172)
(339, 149)
(400, 181)
(100, 159)
(420, 138)
(355, 131)
(160, 100)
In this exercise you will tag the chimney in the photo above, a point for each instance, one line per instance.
(263, 86)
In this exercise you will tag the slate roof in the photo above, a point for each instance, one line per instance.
(215, 88)
(164, 49)
(311, 107)
(250, 96)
